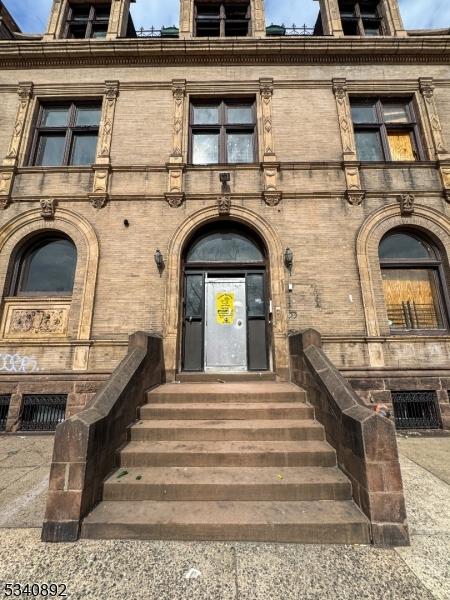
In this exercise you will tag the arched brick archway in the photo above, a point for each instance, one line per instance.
(172, 319)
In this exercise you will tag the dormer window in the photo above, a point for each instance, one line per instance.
(361, 18)
(222, 19)
(87, 21)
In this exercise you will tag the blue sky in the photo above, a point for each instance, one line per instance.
(32, 15)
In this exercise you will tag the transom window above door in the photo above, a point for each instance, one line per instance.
(87, 20)
(386, 129)
(66, 134)
(413, 282)
(222, 132)
(222, 19)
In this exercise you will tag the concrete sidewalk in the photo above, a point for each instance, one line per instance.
(238, 571)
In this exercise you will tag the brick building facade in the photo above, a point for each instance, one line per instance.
(312, 149)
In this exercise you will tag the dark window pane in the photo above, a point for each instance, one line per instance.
(102, 12)
(55, 117)
(368, 144)
(80, 13)
(402, 245)
(88, 116)
(205, 148)
(194, 296)
(77, 31)
(363, 113)
(206, 115)
(51, 150)
(371, 29)
(240, 148)
(238, 115)
(99, 31)
(225, 247)
(395, 113)
(83, 149)
(255, 296)
(49, 267)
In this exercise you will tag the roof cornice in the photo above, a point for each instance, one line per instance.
(21, 54)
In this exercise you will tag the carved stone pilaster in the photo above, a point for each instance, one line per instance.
(331, 18)
(392, 20)
(179, 97)
(57, 19)
(6, 184)
(174, 200)
(427, 90)
(107, 122)
(354, 193)
(444, 168)
(25, 92)
(266, 92)
(406, 204)
(175, 178)
(100, 194)
(48, 207)
(118, 20)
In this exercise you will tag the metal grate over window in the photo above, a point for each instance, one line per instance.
(416, 410)
(43, 412)
(5, 399)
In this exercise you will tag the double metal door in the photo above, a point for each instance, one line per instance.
(225, 325)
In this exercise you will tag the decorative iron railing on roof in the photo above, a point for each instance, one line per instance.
(271, 30)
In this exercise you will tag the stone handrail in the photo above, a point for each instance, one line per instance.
(86, 444)
(365, 442)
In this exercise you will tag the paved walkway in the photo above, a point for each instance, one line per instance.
(228, 571)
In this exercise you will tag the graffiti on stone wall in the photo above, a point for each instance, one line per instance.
(16, 363)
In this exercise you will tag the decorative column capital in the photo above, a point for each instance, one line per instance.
(179, 89)
(340, 88)
(112, 89)
(25, 90)
(266, 87)
(426, 85)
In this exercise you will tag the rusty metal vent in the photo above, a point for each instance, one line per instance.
(416, 410)
(42, 412)
(5, 399)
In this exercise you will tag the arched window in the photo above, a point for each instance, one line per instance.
(222, 246)
(46, 266)
(412, 281)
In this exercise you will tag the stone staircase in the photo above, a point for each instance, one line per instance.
(233, 461)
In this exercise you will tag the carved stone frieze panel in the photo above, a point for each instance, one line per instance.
(22, 319)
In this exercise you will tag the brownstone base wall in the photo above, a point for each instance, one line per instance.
(79, 389)
(377, 387)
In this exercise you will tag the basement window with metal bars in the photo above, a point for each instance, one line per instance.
(5, 400)
(416, 410)
(42, 412)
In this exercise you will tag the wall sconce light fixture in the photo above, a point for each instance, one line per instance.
(159, 260)
(288, 259)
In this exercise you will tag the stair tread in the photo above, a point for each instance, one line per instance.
(226, 405)
(227, 424)
(226, 447)
(228, 476)
(141, 513)
(247, 387)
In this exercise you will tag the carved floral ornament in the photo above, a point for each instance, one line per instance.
(48, 207)
(174, 199)
(38, 321)
(224, 205)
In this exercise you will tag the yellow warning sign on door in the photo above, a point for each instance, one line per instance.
(225, 308)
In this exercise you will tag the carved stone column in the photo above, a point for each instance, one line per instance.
(118, 21)
(9, 165)
(102, 167)
(270, 167)
(57, 20)
(426, 85)
(354, 193)
(331, 18)
(175, 166)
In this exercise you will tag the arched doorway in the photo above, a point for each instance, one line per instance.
(225, 310)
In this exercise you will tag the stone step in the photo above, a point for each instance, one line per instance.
(232, 410)
(319, 522)
(259, 391)
(228, 454)
(187, 377)
(203, 430)
(227, 483)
